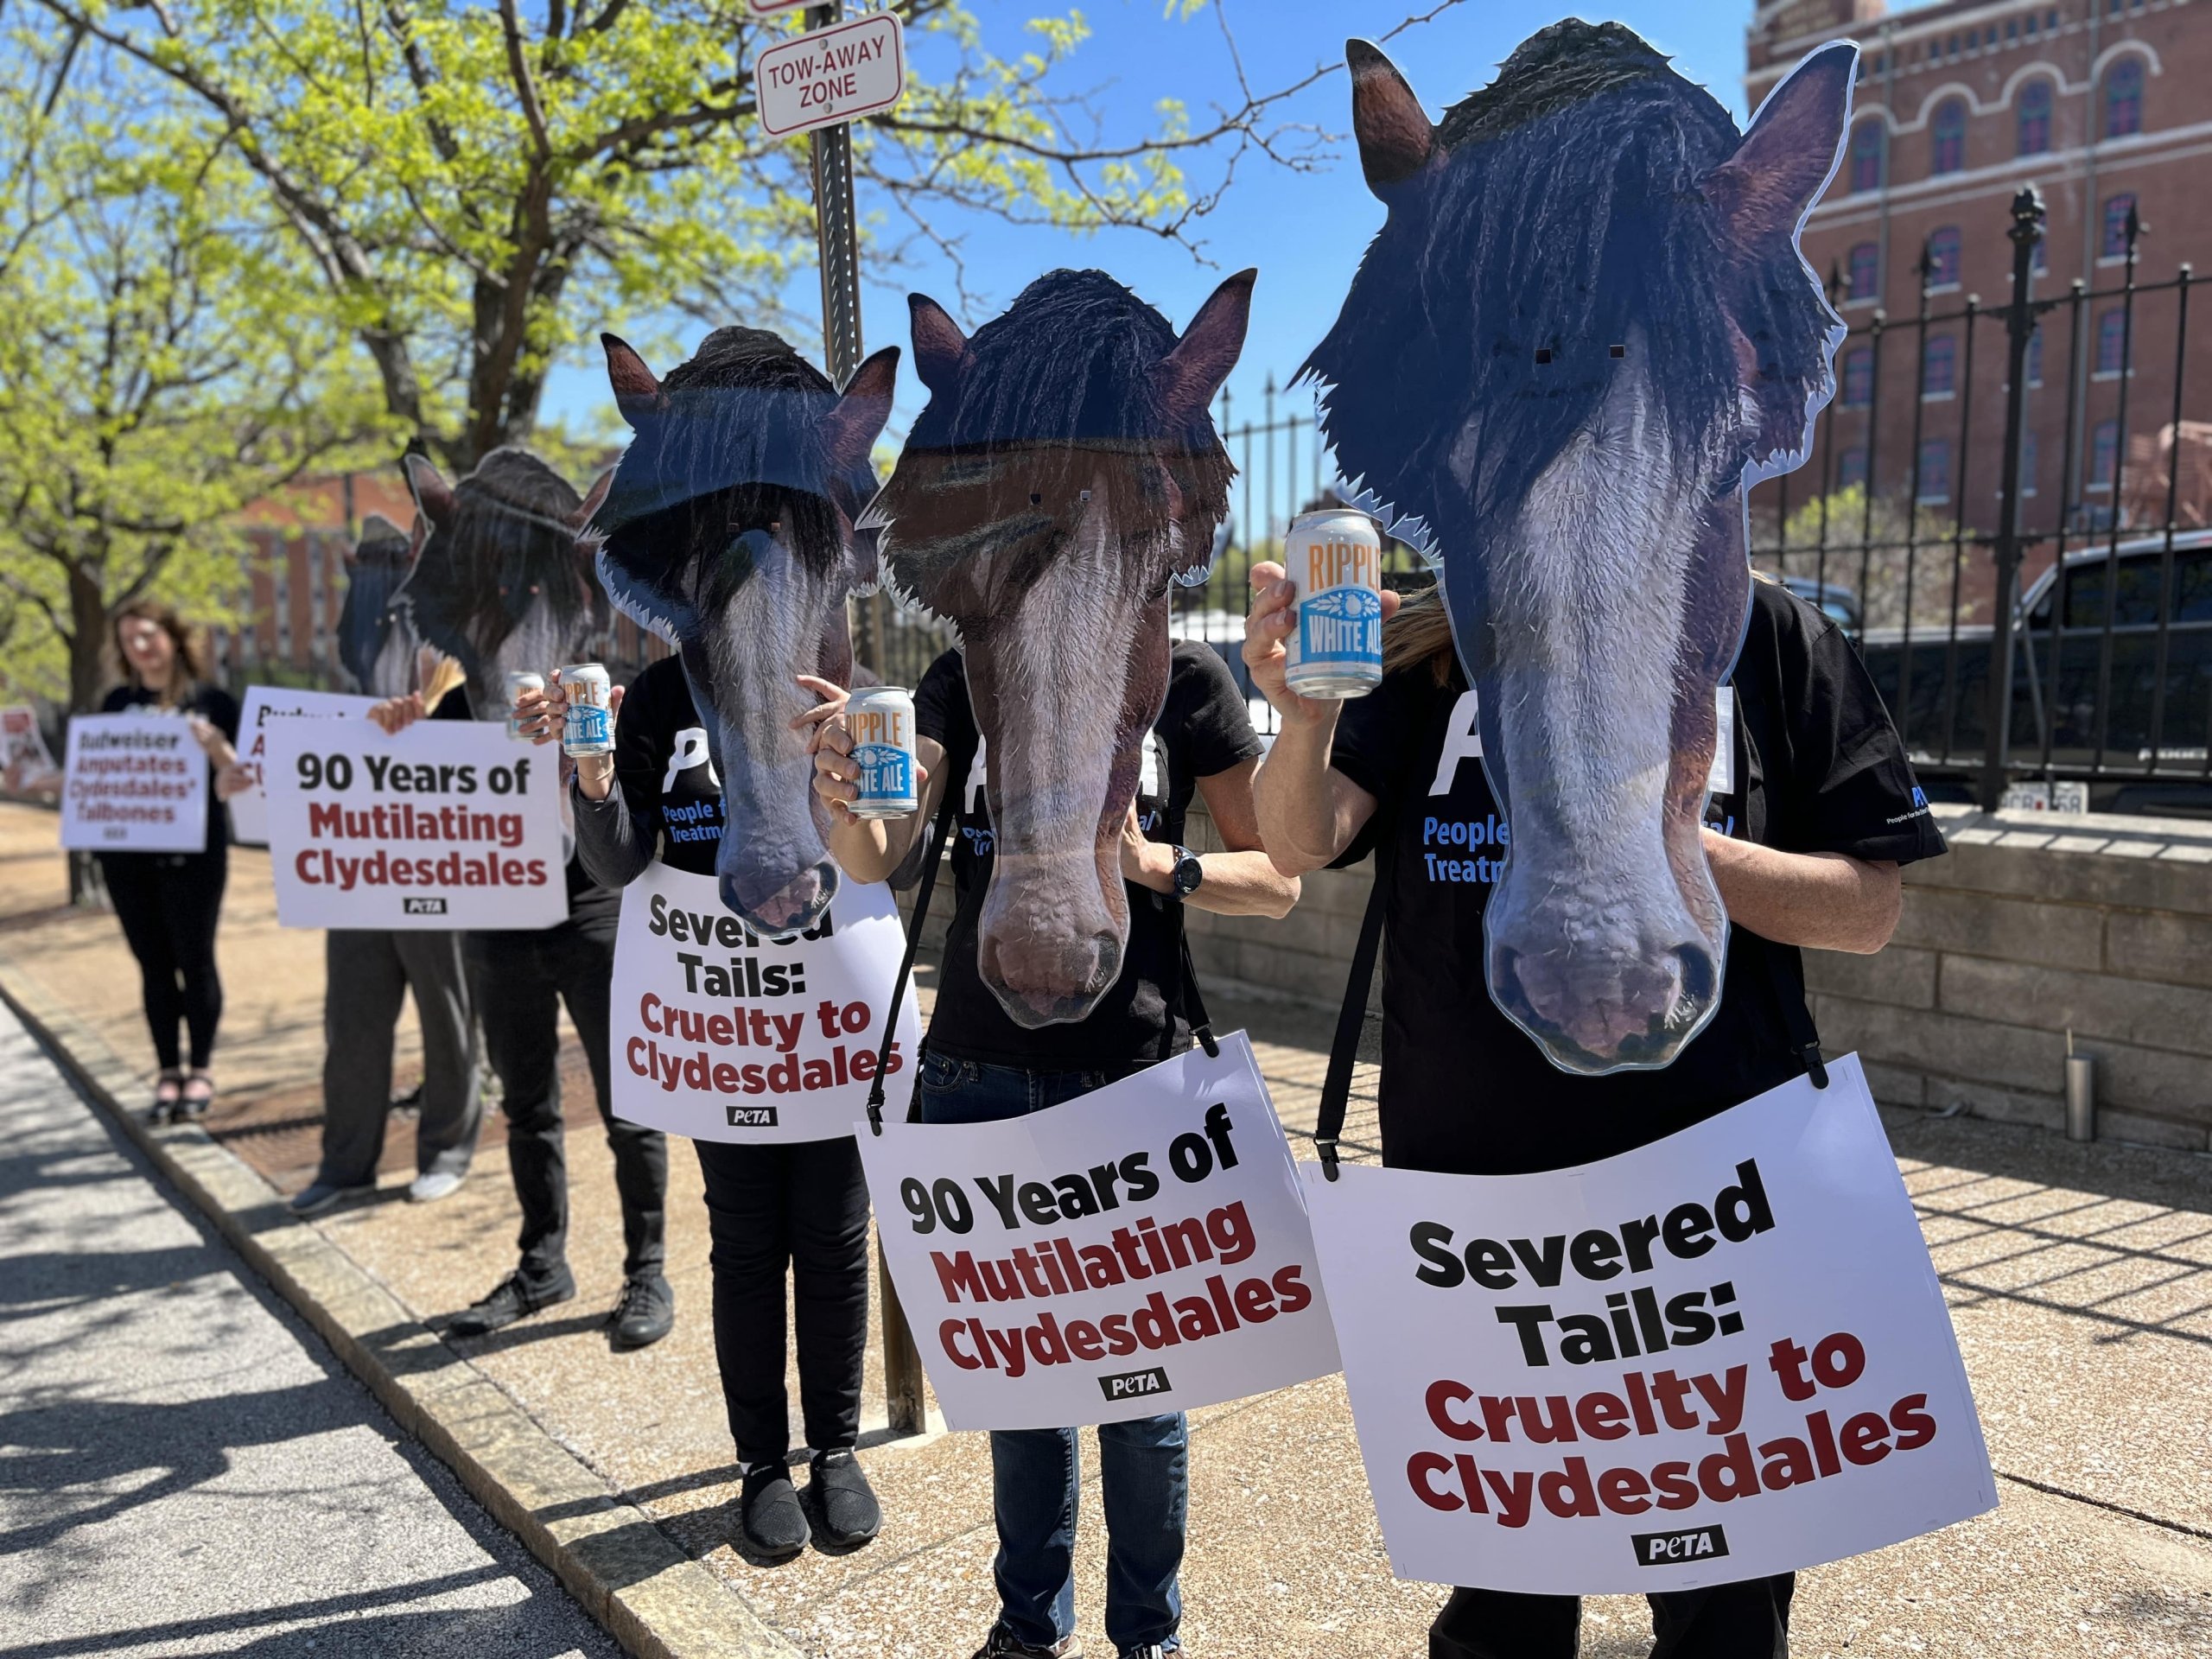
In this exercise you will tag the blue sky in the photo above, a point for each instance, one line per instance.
(1305, 231)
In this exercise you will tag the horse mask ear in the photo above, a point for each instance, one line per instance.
(1396, 138)
(579, 520)
(1189, 376)
(849, 430)
(1765, 189)
(940, 349)
(433, 495)
(637, 393)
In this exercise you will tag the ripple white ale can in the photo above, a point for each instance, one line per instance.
(880, 720)
(517, 683)
(1335, 561)
(590, 729)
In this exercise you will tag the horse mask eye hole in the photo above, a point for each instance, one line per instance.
(1036, 499)
(1544, 354)
(1617, 351)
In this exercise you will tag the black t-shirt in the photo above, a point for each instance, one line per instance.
(588, 900)
(212, 704)
(1204, 728)
(667, 784)
(1816, 767)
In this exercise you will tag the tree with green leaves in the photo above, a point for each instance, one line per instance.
(1898, 562)
(164, 361)
(476, 190)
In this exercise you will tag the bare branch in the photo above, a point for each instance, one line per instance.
(526, 84)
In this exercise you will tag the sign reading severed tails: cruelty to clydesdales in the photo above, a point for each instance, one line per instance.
(1140, 1249)
(828, 76)
(1719, 1357)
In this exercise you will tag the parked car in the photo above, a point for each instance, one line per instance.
(2089, 696)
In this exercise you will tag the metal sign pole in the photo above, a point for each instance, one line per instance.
(836, 237)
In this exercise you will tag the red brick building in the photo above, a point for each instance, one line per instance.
(2106, 106)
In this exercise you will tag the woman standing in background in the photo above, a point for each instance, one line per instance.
(169, 903)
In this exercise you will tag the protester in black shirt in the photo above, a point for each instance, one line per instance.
(978, 1065)
(169, 903)
(795, 1207)
(519, 981)
(1818, 811)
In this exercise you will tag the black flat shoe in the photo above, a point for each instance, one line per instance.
(193, 1103)
(844, 1500)
(169, 1090)
(774, 1520)
(513, 1298)
(645, 1313)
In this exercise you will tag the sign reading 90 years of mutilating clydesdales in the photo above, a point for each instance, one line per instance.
(1719, 1357)
(449, 825)
(1140, 1249)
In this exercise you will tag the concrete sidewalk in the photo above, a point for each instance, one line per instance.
(183, 1467)
(2080, 1280)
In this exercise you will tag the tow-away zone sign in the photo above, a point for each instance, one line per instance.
(831, 75)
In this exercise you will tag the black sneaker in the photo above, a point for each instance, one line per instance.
(1002, 1644)
(513, 1298)
(645, 1313)
(770, 1513)
(844, 1500)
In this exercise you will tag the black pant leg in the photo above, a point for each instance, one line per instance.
(192, 904)
(827, 1207)
(584, 953)
(748, 1220)
(1749, 1620)
(516, 995)
(1503, 1624)
(453, 1101)
(134, 887)
(363, 990)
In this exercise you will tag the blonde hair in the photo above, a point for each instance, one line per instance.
(185, 667)
(1421, 633)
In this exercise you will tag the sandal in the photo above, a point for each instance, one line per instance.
(199, 1094)
(169, 1090)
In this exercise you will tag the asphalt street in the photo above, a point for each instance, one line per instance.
(184, 1468)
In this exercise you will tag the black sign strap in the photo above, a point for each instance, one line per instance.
(940, 839)
(1351, 1019)
(1194, 1001)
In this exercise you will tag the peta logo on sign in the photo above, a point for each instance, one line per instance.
(1668, 1549)
(421, 906)
(752, 1118)
(1132, 1384)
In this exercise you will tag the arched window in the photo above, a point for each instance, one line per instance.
(2117, 209)
(2124, 98)
(1939, 367)
(1858, 376)
(2112, 341)
(2031, 123)
(1867, 155)
(2104, 454)
(1935, 470)
(1866, 267)
(1949, 128)
(1943, 257)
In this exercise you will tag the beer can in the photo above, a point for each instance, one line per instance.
(1335, 561)
(518, 682)
(591, 723)
(880, 720)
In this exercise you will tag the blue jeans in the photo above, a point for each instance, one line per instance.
(1143, 1464)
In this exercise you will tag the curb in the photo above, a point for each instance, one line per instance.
(634, 1581)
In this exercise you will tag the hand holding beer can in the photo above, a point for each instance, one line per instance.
(879, 719)
(590, 729)
(1334, 560)
(518, 684)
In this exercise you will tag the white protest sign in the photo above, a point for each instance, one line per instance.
(1139, 1250)
(135, 782)
(827, 76)
(770, 7)
(450, 824)
(250, 807)
(723, 1035)
(26, 765)
(1717, 1357)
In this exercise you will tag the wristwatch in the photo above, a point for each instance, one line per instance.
(1188, 873)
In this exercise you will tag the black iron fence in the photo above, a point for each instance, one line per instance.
(2006, 505)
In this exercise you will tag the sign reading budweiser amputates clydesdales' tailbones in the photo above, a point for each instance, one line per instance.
(135, 782)
(722, 1034)
(449, 825)
(1717, 1357)
(250, 807)
(1140, 1249)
